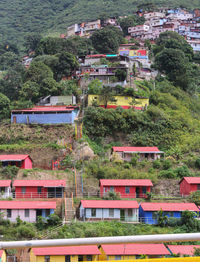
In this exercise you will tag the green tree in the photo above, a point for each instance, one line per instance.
(106, 96)
(32, 41)
(161, 218)
(4, 106)
(107, 40)
(130, 21)
(95, 87)
(195, 197)
(30, 91)
(7, 60)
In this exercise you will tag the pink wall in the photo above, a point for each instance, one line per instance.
(21, 213)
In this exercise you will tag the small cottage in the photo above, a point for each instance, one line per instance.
(142, 153)
(126, 188)
(148, 211)
(132, 251)
(21, 161)
(183, 250)
(5, 188)
(123, 210)
(26, 210)
(39, 188)
(65, 254)
(188, 185)
(45, 115)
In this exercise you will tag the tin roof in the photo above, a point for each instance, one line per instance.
(47, 109)
(191, 180)
(5, 183)
(27, 204)
(109, 204)
(44, 183)
(13, 157)
(169, 206)
(125, 182)
(183, 249)
(137, 149)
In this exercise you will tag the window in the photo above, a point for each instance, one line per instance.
(26, 212)
(127, 190)
(112, 188)
(89, 258)
(111, 212)
(9, 212)
(130, 212)
(117, 257)
(46, 258)
(144, 190)
(93, 212)
(39, 189)
(23, 190)
(198, 186)
(80, 258)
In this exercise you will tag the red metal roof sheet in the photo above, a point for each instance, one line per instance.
(27, 205)
(13, 157)
(135, 249)
(183, 249)
(124, 107)
(191, 180)
(1, 253)
(125, 182)
(169, 206)
(68, 250)
(5, 183)
(44, 183)
(136, 149)
(109, 204)
(47, 109)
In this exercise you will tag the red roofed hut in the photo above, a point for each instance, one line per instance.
(188, 185)
(21, 161)
(182, 249)
(144, 153)
(127, 188)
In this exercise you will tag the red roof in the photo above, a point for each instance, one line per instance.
(46, 109)
(27, 205)
(183, 249)
(44, 183)
(191, 180)
(13, 157)
(68, 250)
(136, 249)
(1, 252)
(169, 206)
(124, 107)
(137, 149)
(125, 182)
(5, 183)
(109, 204)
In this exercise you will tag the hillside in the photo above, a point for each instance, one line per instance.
(20, 17)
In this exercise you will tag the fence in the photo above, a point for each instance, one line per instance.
(37, 195)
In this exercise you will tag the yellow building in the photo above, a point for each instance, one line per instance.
(124, 101)
(2, 256)
(65, 254)
(132, 251)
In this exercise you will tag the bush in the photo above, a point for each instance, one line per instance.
(167, 174)
(182, 171)
(133, 161)
(112, 196)
(195, 197)
(197, 163)
(167, 164)
(10, 172)
(25, 232)
(53, 220)
(156, 164)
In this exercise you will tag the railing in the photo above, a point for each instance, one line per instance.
(37, 195)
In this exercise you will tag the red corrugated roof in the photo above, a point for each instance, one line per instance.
(136, 149)
(109, 204)
(27, 205)
(13, 157)
(183, 249)
(135, 249)
(69, 250)
(191, 180)
(44, 183)
(169, 206)
(1, 252)
(5, 183)
(124, 107)
(125, 182)
(46, 109)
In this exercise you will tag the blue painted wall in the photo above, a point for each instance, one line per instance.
(44, 212)
(59, 118)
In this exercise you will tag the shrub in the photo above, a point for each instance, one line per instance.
(182, 171)
(112, 196)
(24, 231)
(195, 197)
(197, 163)
(53, 220)
(133, 161)
(10, 172)
(156, 164)
(167, 174)
(167, 164)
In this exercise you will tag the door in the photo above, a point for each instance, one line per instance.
(67, 258)
(38, 213)
(137, 192)
(122, 214)
(14, 119)
(59, 193)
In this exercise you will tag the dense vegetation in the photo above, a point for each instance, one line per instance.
(20, 18)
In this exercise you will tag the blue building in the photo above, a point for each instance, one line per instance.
(45, 115)
(148, 211)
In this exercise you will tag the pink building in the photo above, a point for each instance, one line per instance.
(21, 161)
(27, 210)
(5, 188)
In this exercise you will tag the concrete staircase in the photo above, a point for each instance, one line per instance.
(69, 210)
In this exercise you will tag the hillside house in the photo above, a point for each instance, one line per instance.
(26, 210)
(126, 188)
(123, 210)
(3, 256)
(188, 185)
(123, 101)
(39, 188)
(45, 115)
(143, 153)
(182, 250)
(148, 211)
(5, 188)
(57, 100)
(21, 161)
(132, 251)
(65, 254)
(138, 30)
